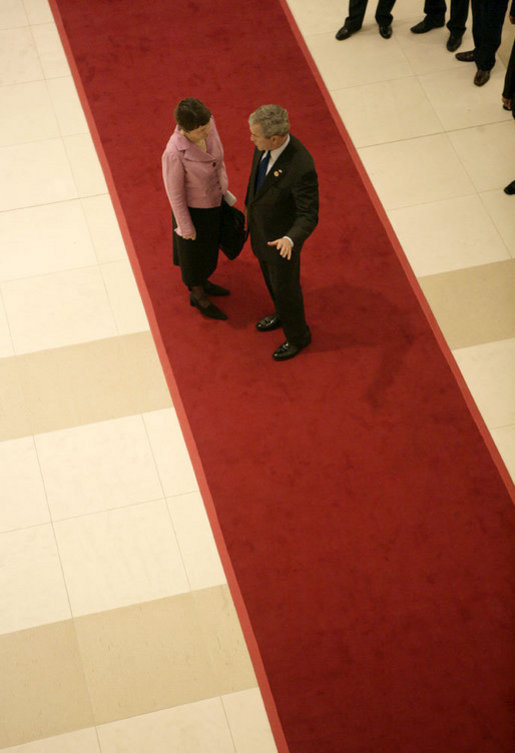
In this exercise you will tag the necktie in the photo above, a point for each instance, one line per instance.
(261, 171)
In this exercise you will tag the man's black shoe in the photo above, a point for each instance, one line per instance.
(207, 308)
(466, 57)
(510, 188)
(289, 350)
(210, 288)
(343, 33)
(454, 42)
(268, 323)
(481, 77)
(426, 25)
(385, 31)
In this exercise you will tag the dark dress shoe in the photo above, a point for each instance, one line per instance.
(385, 31)
(454, 41)
(510, 188)
(289, 350)
(211, 289)
(268, 323)
(466, 57)
(426, 25)
(207, 308)
(481, 77)
(343, 33)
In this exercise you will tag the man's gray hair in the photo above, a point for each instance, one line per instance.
(273, 120)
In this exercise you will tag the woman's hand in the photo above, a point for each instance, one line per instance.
(192, 237)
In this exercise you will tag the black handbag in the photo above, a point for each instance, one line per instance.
(232, 231)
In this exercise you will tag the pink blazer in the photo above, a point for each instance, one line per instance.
(192, 177)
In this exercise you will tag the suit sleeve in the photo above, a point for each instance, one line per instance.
(305, 196)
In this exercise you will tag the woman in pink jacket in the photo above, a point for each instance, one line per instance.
(196, 182)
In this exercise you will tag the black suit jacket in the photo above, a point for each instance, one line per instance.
(286, 202)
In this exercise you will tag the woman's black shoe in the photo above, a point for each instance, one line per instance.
(209, 309)
(211, 289)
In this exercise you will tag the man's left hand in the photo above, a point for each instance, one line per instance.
(284, 246)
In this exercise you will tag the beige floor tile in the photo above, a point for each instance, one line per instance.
(66, 307)
(248, 722)
(311, 20)
(487, 153)
(460, 104)
(14, 417)
(362, 59)
(38, 11)
(124, 297)
(475, 305)
(120, 557)
(489, 371)
(50, 50)
(224, 639)
(26, 113)
(447, 235)
(86, 169)
(426, 53)
(12, 14)
(501, 209)
(386, 111)
(82, 741)
(103, 226)
(504, 438)
(67, 106)
(22, 494)
(19, 59)
(145, 658)
(97, 467)
(35, 173)
(418, 171)
(54, 700)
(44, 239)
(31, 580)
(92, 382)
(196, 542)
(196, 728)
(6, 341)
(172, 459)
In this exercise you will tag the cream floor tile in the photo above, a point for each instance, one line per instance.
(19, 59)
(487, 153)
(474, 305)
(386, 111)
(500, 207)
(86, 168)
(26, 113)
(38, 11)
(12, 14)
(196, 542)
(65, 307)
(91, 382)
(124, 297)
(489, 371)
(104, 228)
(172, 459)
(22, 494)
(460, 104)
(196, 728)
(427, 53)
(14, 417)
(145, 658)
(362, 59)
(50, 50)
(248, 722)
(44, 239)
(120, 557)
(67, 106)
(504, 438)
(31, 579)
(6, 342)
(319, 18)
(446, 235)
(97, 467)
(43, 691)
(83, 741)
(416, 171)
(35, 173)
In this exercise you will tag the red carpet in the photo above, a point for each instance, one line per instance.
(366, 523)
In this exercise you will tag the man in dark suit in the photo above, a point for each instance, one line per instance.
(435, 17)
(282, 211)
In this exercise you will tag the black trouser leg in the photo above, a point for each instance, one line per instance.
(435, 10)
(354, 20)
(487, 21)
(282, 278)
(458, 20)
(384, 12)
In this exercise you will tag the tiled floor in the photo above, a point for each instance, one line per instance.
(117, 631)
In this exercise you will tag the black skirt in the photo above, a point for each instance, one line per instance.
(198, 259)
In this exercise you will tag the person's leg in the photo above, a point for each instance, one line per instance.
(458, 18)
(435, 11)
(489, 31)
(354, 20)
(384, 12)
(284, 276)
